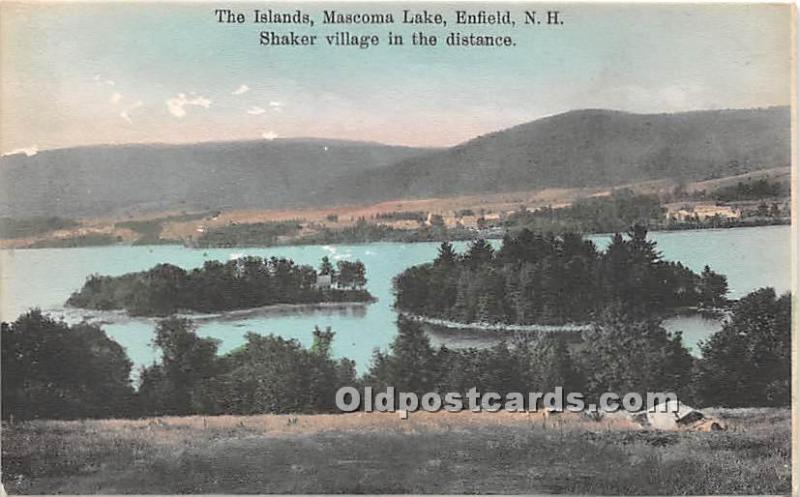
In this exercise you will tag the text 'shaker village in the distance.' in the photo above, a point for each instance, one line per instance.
(280, 20)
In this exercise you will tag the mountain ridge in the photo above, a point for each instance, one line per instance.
(134, 178)
(595, 148)
(578, 148)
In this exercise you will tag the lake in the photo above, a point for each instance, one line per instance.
(750, 257)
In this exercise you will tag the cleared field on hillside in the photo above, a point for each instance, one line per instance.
(173, 228)
(380, 453)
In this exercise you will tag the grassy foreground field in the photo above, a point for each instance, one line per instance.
(380, 453)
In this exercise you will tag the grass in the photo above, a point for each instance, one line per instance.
(380, 453)
(87, 240)
(149, 230)
(32, 226)
(248, 235)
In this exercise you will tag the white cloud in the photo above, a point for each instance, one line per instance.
(100, 80)
(29, 151)
(115, 98)
(269, 135)
(276, 105)
(243, 88)
(255, 111)
(176, 105)
(125, 114)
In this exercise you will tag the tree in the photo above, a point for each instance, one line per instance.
(410, 367)
(412, 289)
(326, 267)
(642, 250)
(436, 220)
(713, 288)
(546, 362)
(183, 382)
(480, 252)
(537, 278)
(447, 255)
(748, 362)
(52, 370)
(243, 283)
(322, 341)
(623, 354)
(271, 374)
(464, 304)
(165, 283)
(351, 274)
(360, 274)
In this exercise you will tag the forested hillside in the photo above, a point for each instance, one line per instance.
(575, 149)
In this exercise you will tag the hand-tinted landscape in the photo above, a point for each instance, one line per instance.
(574, 307)
(202, 241)
(697, 169)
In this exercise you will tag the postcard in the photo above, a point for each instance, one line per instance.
(398, 248)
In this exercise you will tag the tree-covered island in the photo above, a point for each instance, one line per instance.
(243, 283)
(547, 279)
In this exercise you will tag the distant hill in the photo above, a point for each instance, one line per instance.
(591, 148)
(575, 149)
(117, 179)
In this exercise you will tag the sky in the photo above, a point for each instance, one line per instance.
(84, 73)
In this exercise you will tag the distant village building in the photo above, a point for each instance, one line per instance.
(451, 221)
(707, 211)
(459, 220)
(401, 224)
(469, 221)
(434, 219)
(702, 212)
(324, 281)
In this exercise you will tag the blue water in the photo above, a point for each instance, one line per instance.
(750, 257)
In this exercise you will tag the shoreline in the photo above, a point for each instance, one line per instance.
(11, 243)
(456, 325)
(115, 315)
(713, 314)
(275, 309)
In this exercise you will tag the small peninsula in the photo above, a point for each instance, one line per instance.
(535, 279)
(243, 283)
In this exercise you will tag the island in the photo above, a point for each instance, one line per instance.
(545, 279)
(243, 283)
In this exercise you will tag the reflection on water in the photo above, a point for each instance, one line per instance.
(694, 328)
(358, 310)
(750, 257)
(478, 339)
